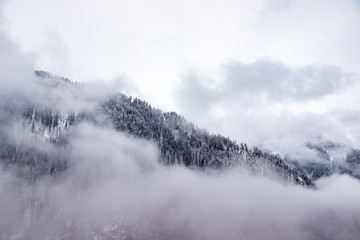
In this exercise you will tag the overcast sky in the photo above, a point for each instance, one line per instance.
(270, 73)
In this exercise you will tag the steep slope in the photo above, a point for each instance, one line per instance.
(117, 168)
(179, 141)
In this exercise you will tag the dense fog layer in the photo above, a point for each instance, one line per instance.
(115, 188)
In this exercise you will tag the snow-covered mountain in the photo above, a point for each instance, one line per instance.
(331, 158)
(87, 163)
(179, 141)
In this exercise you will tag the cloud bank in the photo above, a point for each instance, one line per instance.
(114, 191)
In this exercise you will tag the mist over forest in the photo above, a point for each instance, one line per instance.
(94, 160)
(86, 176)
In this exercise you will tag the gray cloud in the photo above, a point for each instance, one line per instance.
(264, 82)
(281, 83)
(249, 105)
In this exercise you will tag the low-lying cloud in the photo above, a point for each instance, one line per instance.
(115, 188)
(20, 86)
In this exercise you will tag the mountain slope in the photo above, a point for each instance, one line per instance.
(331, 158)
(81, 166)
(179, 141)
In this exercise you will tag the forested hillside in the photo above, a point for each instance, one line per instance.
(178, 140)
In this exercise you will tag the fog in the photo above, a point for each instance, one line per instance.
(115, 188)
(19, 85)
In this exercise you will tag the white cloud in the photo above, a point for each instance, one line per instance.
(113, 189)
(152, 44)
(16, 67)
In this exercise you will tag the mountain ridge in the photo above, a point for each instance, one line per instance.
(179, 141)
